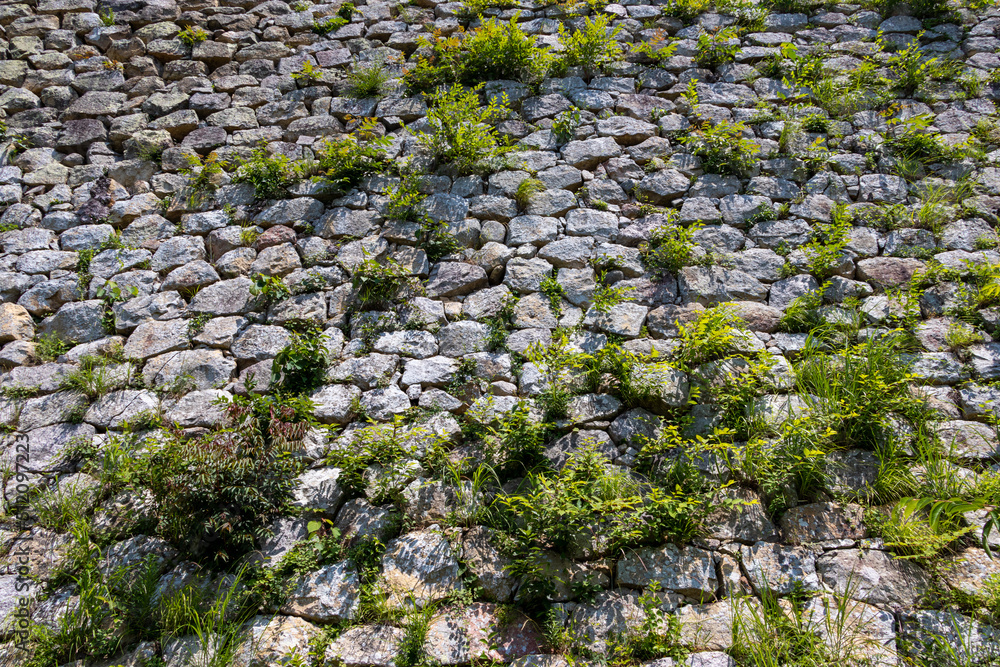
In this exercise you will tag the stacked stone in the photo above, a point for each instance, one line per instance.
(85, 102)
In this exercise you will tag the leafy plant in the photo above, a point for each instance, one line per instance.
(910, 69)
(607, 296)
(709, 335)
(462, 132)
(96, 376)
(565, 124)
(723, 149)
(717, 48)
(686, 9)
(670, 248)
(218, 494)
(825, 248)
(500, 50)
(915, 144)
(107, 17)
(329, 24)
(364, 82)
(192, 34)
(308, 74)
(527, 189)
(270, 175)
(201, 175)
(50, 347)
(301, 365)
(593, 46)
(921, 528)
(378, 282)
(271, 289)
(553, 291)
(436, 239)
(343, 162)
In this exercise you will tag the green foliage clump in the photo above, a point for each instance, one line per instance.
(686, 9)
(910, 69)
(218, 494)
(710, 335)
(308, 74)
(377, 282)
(593, 46)
(500, 50)
(496, 50)
(553, 291)
(343, 162)
(462, 132)
(589, 505)
(367, 81)
(718, 48)
(515, 444)
(436, 239)
(301, 365)
(723, 148)
(867, 387)
(565, 124)
(608, 296)
(50, 347)
(96, 376)
(916, 144)
(670, 248)
(827, 244)
(405, 204)
(270, 175)
(270, 289)
(333, 23)
(192, 34)
(201, 175)
(527, 189)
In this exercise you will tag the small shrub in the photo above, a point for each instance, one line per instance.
(500, 50)
(686, 9)
(669, 249)
(218, 494)
(473, 8)
(910, 69)
(722, 148)
(363, 82)
(824, 250)
(710, 335)
(564, 125)
(436, 239)
(96, 376)
(592, 47)
(527, 189)
(916, 144)
(301, 365)
(553, 291)
(514, 446)
(718, 48)
(270, 289)
(270, 175)
(201, 176)
(249, 235)
(462, 132)
(192, 34)
(913, 533)
(377, 282)
(308, 74)
(343, 162)
(607, 296)
(329, 24)
(50, 347)
(107, 17)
